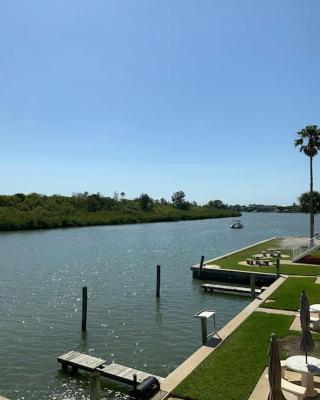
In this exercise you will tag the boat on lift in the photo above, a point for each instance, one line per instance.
(236, 224)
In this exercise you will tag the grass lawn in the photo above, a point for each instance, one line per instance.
(287, 296)
(231, 262)
(232, 371)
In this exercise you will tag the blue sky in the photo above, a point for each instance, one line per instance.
(159, 96)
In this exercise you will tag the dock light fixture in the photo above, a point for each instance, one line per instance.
(204, 315)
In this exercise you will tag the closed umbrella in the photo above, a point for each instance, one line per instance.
(274, 371)
(306, 341)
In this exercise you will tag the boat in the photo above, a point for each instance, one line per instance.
(236, 224)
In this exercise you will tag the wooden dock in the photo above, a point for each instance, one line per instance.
(239, 290)
(80, 360)
(124, 374)
(93, 364)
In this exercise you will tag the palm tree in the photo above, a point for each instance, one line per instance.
(304, 201)
(309, 143)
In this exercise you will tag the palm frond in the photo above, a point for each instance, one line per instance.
(308, 140)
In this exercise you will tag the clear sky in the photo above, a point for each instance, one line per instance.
(159, 96)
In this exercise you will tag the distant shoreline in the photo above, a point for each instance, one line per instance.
(36, 211)
(33, 222)
(45, 225)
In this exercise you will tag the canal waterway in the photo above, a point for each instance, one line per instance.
(42, 273)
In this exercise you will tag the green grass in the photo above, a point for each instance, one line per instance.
(231, 262)
(287, 296)
(232, 371)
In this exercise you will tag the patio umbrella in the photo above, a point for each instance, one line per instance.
(274, 371)
(306, 341)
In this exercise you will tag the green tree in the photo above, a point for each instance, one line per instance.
(145, 201)
(178, 200)
(216, 204)
(309, 143)
(304, 201)
(94, 202)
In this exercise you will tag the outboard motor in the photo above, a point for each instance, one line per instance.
(146, 389)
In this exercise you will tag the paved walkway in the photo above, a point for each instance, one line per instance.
(261, 390)
(276, 311)
(292, 242)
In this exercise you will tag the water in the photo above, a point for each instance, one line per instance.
(42, 273)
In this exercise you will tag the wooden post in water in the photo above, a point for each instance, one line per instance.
(95, 388)
(158, 281)
(64, 366)
(278, 267)
(135, 384)
(84, 308)
(201, 263)
(253, 285)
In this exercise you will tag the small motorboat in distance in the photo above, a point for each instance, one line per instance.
(236, 224)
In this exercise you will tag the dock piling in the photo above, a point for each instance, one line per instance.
(253, 285)
(158, 280)
(135, 385)
(95, 388)
(84, 308)
(278, 267)
(64, 367)
(201, 263)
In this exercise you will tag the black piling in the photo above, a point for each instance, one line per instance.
(158, 280)
(253, 285)
(84, 308)
(201, 263)
(278, 267)
(135, 384)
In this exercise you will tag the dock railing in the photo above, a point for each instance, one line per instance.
(286, 251)
(306, 248)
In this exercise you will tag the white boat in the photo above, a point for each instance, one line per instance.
(236, 224)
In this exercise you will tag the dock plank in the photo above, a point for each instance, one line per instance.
(124, 374)
(81, 360)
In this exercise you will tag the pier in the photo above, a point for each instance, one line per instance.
(80, 361)
(113, 371)
(242, 291)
